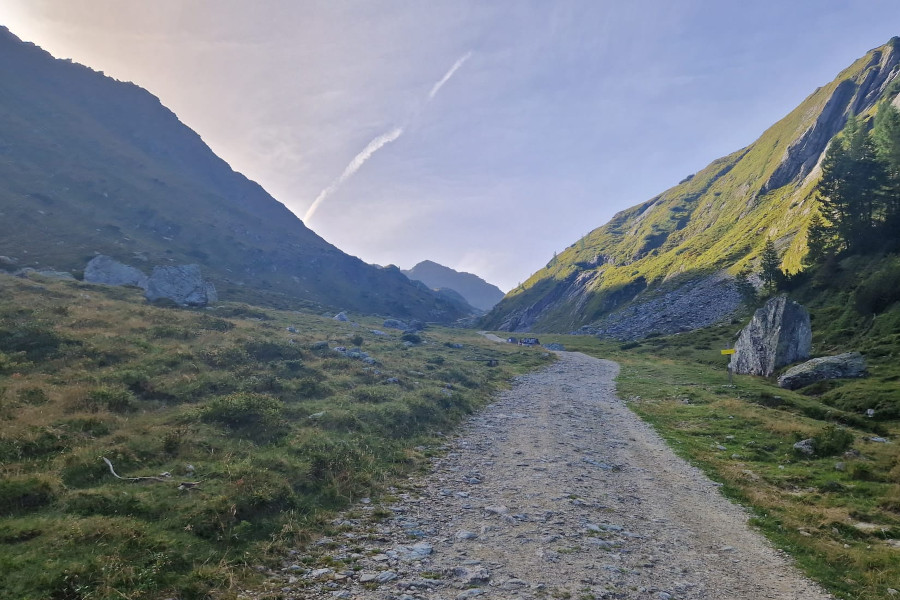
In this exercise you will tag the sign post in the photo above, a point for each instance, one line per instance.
(728, 352)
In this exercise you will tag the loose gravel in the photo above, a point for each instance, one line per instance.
(556, 490)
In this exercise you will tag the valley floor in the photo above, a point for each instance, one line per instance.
(556, 490)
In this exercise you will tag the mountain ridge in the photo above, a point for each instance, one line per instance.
(712, 224)
(477, 292)
(90, 165)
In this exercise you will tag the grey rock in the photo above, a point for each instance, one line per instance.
(466, 535)
(319, 573)
(778, 334)
(341, 316)
(695, 304)
(5, 260)
(474, 592)
(807, 446)
(104, 269)
(385, 577)
(415, 552)
(394, 324)
(472, 575)
(182, 284)
(842, 366)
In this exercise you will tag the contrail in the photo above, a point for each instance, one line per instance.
(353, 167)
(376, 144)
(437, 87)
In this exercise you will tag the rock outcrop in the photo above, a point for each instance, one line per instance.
(778, 334)
(183, 284)
(696, 304)
(842, 366)
(103, 269)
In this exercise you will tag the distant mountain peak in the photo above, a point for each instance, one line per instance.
(477, 292)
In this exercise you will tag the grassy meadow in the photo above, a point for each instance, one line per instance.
(245, 426)
(837, 512)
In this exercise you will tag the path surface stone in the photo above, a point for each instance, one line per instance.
(547, 521)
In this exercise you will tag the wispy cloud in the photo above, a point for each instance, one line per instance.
(437, 87)
(379, 142)
(358, 161)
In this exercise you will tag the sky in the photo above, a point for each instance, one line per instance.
(483, 135)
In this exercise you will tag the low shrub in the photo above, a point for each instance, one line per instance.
(257, 416)
(173, 332)
(34, 396)
(272, 351)
(21, 494)
(832, 440)
(879, 291)
(34, 338)
(113, 399)
(224, 357)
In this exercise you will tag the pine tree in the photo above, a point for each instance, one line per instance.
(850, 189)
(886, 136)
(818, 240)
(770, 265)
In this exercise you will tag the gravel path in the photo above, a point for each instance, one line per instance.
(556, 490)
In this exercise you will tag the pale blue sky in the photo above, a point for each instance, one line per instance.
(564, 113)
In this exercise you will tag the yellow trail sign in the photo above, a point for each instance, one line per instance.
(729, 351)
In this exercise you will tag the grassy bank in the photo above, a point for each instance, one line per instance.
(246, 426)
(838, 512)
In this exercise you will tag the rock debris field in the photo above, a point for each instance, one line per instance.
(556, 490)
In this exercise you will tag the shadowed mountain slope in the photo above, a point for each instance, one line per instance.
(668, 264)
(477, 292)
(93, 165)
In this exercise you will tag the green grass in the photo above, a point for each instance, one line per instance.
(834, 512)
(272, 430)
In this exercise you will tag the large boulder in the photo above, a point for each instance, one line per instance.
(103, 269)
(183, 285)
(778, 334)
(842, 366)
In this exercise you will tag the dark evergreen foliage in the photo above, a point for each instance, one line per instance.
(860, 189)
(770, 265)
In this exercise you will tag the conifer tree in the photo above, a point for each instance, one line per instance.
(818, 237)
(851, 187)
(886, 136)
(770, 266)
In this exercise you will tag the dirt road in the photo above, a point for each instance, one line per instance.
(557, 490)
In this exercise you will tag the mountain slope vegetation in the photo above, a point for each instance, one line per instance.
(714, 223)
(231, 433)
(92, 165)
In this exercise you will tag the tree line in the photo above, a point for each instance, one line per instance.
(859, 192)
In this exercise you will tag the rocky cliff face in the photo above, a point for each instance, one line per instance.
(668, 264)
(90, 165)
